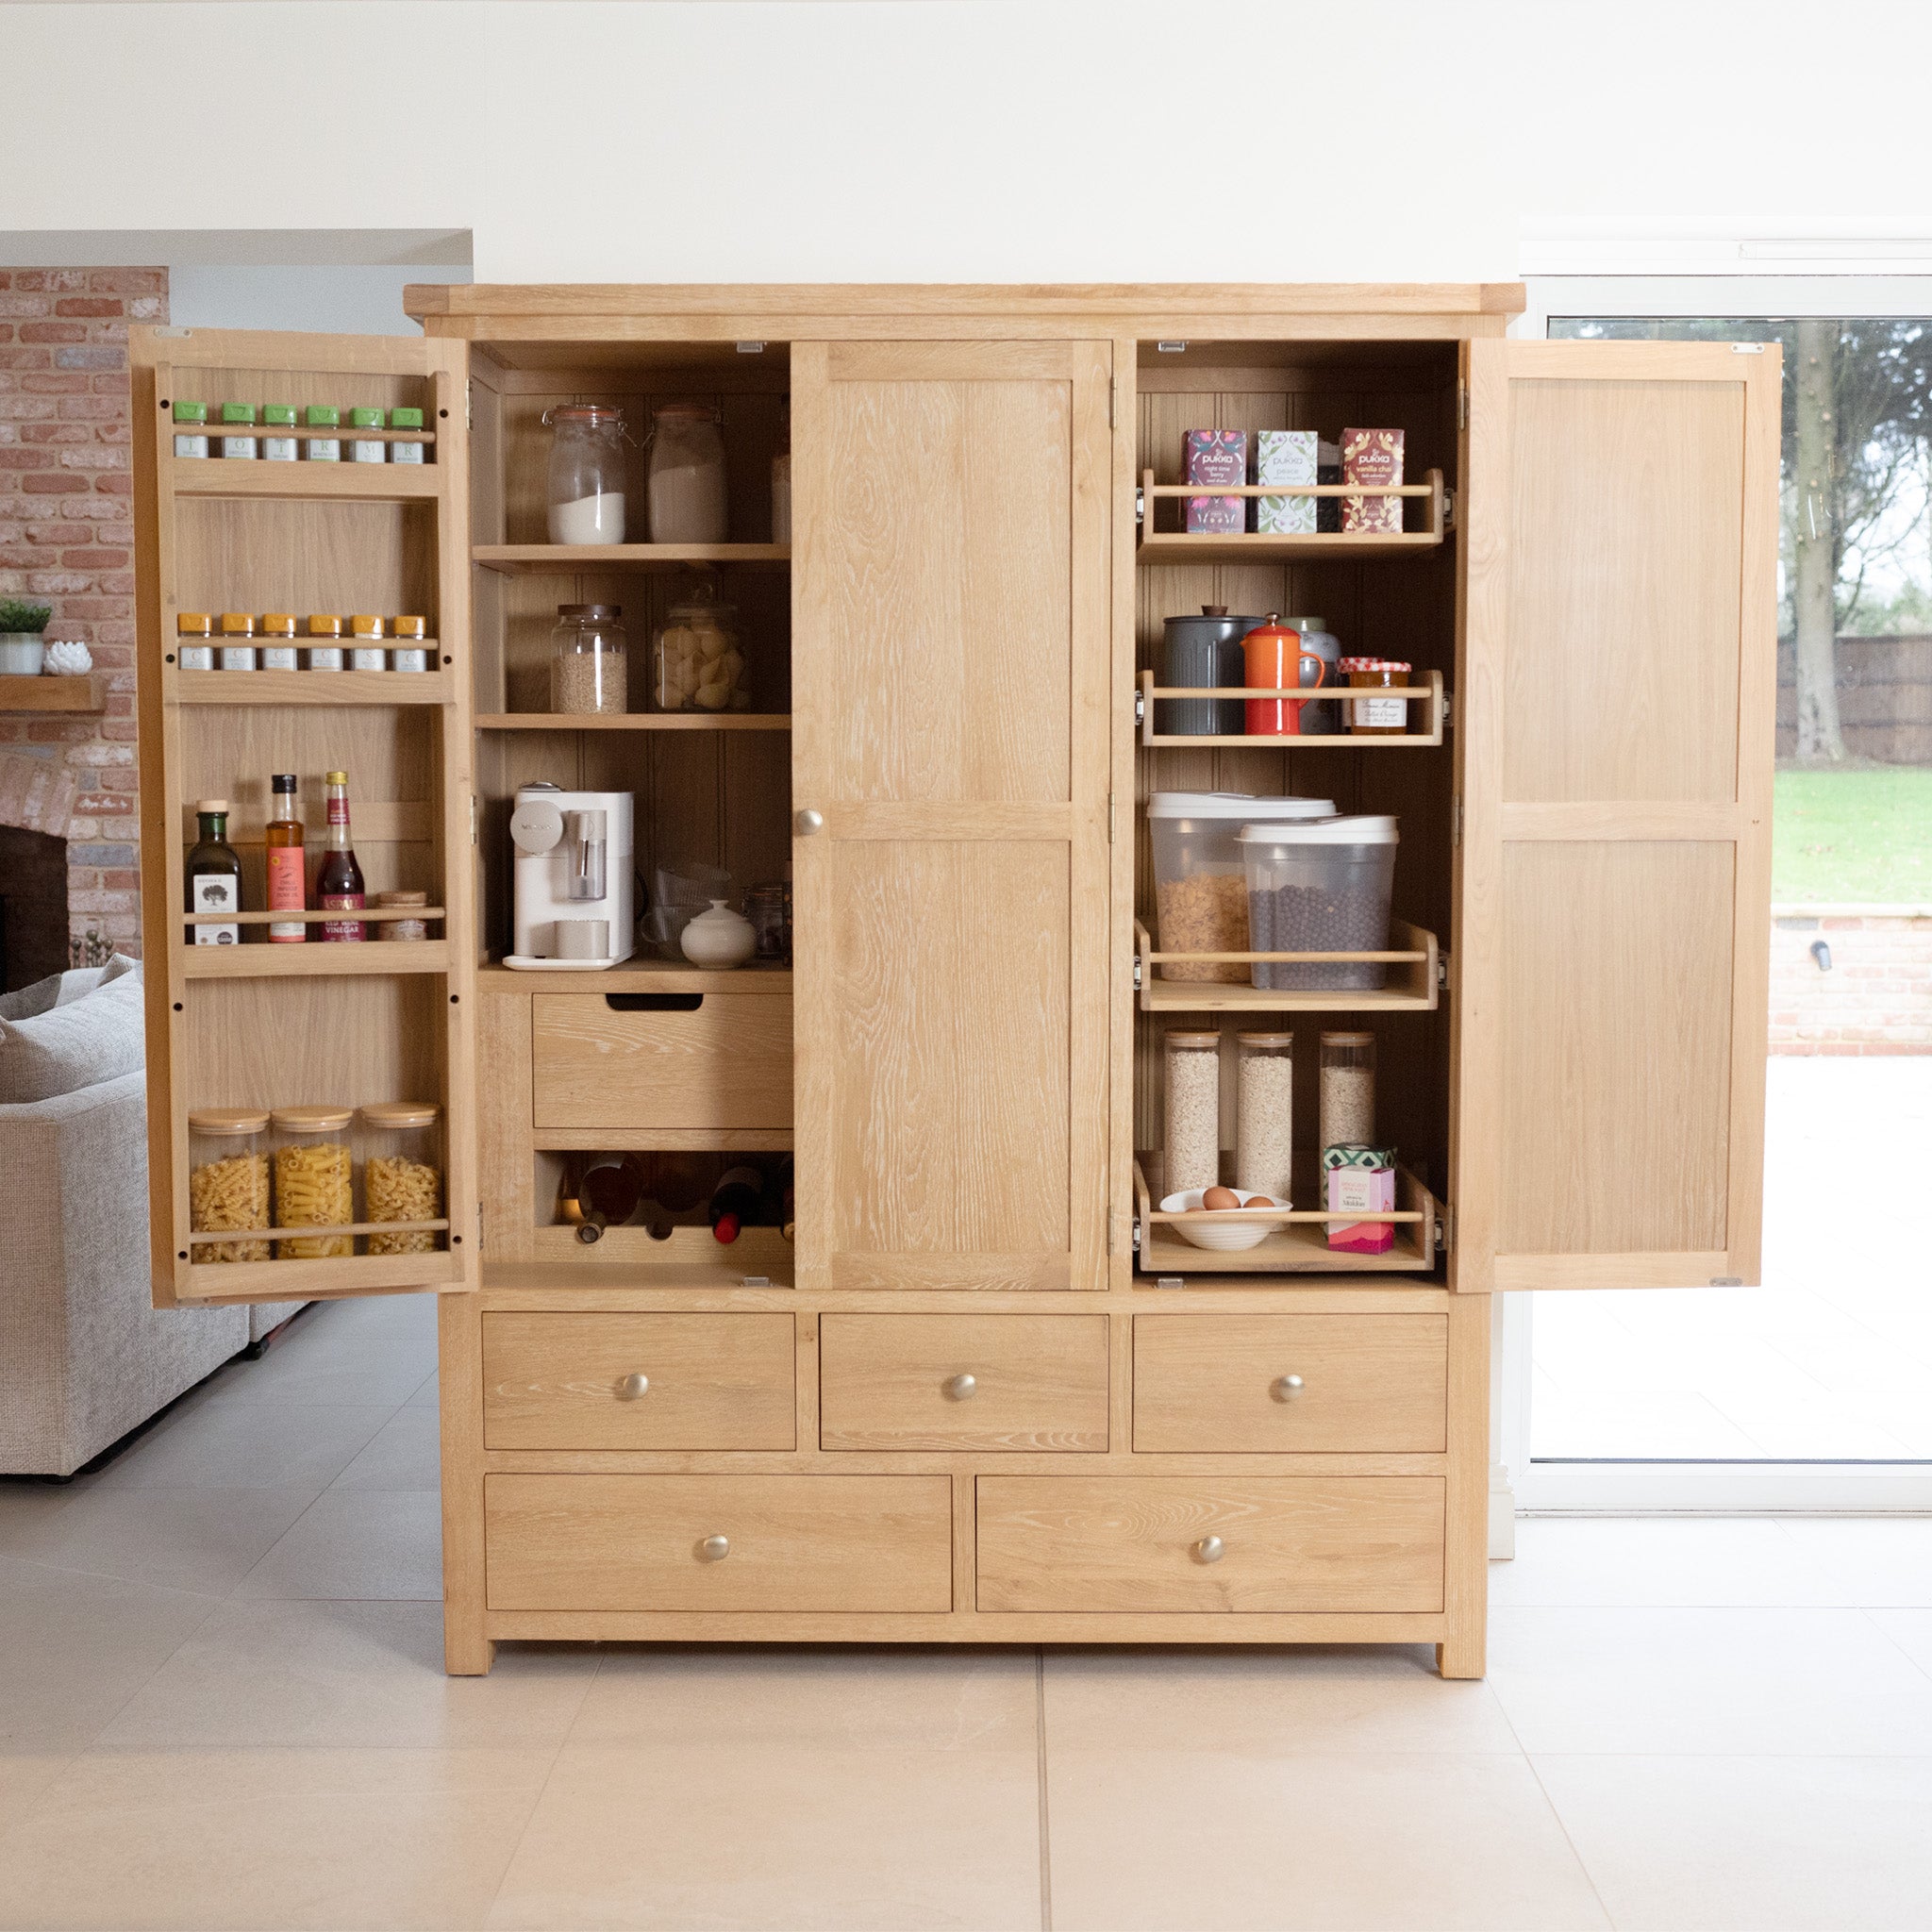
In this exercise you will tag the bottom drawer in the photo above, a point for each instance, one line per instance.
(1253, 1543)
(719, 1543)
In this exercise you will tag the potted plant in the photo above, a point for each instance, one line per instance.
(21, 649)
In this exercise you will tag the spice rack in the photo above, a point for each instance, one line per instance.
(1428, 694)
(1417, 972)
(1249, 546)
(279, 687)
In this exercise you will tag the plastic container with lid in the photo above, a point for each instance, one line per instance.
(589, 661)
(314, 1187)
(687, 476)
(322, 449)
(411, 652)
(227, 1180)
(1200, 881)
(1320, 885)
(365, 653)
(585, 488)
(1375, 716)
(402, 1173)
(406, 452)
(280, 447)
(324, 642)
(367, 449)
(278, 634)
(191, 429)
(194, 640)
(1191, 1099)
(1264, 1115)
(697, 664)
(238, 647)
(237, 414)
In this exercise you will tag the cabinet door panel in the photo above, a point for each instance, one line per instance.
(1617, 670)
(950, 663)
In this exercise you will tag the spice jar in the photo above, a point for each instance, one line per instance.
(586, 483)
(237, 655)
(279, 634)
(326, 642)
(687, 476)
(1375, 716)
(313, 1187)
(322, 449)
(279, 448)
(1193, 1110)
(1264, 1114)
(243, 446)
(697, 665)
(411, 652)
(769, 908)
(195, 416)
(367, 449)
(194, 648)
(1348, 1091)
(401, 928)
(227, 1180)
(365, 654)
(402, 1173)
(588, 673)
(406, 452)
(781, 480)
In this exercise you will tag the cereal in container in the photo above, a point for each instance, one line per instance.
(228, 1181)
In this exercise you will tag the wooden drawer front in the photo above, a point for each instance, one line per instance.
(1219, 1383)
(725, 1064)
(901, 1382)
(1116, 1543)
(648, 1542)
(568, 1382)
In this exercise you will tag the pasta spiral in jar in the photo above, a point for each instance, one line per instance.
(402, 1177)
(313, 1181)
(228, 1181)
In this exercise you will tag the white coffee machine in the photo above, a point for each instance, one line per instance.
(575, 901)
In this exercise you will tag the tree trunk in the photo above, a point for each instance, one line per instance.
(1815, 572)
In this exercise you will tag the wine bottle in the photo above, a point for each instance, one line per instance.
(338, 884)
(735, 1202)
(214, 876)
(609, 1190)
(788, 1200)
(287, 883)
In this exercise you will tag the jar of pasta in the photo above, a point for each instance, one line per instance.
(402, 1173)
(313, 1187)
(227, 1180)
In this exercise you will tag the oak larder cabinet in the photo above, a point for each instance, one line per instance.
(989, 1393)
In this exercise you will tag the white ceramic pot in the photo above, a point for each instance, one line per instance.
(22, 652)
(1227, 1235)
(719, 938)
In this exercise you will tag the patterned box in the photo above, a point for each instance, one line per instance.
(1372, 456)
(1285, 455)
(1361, 1181)
(1216, 455)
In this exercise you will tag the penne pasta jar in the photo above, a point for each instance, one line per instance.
(402, 1173)
(227, 1180)
(312, 1180)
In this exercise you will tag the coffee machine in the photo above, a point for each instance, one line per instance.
(576, 899)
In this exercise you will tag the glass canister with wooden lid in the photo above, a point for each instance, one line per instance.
(402, 1173)
(313, 1181)
(227, 1180)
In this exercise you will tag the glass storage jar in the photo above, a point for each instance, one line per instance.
(1348, 1091)
(238, 641)
(402, 1173)
(194, 647)
(1376, 717)
(696, 662)
(686, 474)
(278, 448)
(588, 661)
(191, 425)
(366, 652)
(412, 644)
(1264, 1114)
(1193, 1097)
(367, 449)
(227, 1180)
(235, 415)
(322, 449)
(313, 1184)
(324, 642)
(586, 485)
(278, 634)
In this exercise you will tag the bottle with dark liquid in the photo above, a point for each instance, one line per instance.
(609, 1190)
(735, 1202)
(288, 884)
(338, 884)
(786, 1190)
(214, 876)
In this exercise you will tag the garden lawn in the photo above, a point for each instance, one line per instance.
(1860, 838)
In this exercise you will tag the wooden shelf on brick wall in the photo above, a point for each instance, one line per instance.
(85, 692)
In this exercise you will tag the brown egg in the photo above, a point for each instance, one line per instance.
(1263, 1201)
(1220, 1197)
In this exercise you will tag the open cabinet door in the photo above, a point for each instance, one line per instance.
(257, 1025)
(1617, 671)
(950, 666)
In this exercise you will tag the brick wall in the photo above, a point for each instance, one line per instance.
(1877, 996)
(67, 538)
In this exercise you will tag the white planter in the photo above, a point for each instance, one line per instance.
(22, 652)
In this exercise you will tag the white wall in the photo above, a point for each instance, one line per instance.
(361, 300)
(970, 139)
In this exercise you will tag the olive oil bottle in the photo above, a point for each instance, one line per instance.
(214, 876)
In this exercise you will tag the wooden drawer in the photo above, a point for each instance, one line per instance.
(1219, 1383)
(963, 1382)
(725, 1064)
(791, 1542)
(1120, 1544)
(558, 1381)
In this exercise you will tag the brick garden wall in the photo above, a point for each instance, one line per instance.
(67, 538)
(1877, 997)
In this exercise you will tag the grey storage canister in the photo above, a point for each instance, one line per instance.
(1319, 721)
(1202, 651)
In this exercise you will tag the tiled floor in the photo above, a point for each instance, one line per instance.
(221, 1707)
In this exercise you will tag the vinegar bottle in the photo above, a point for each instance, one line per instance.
(338, 884)
(287, 883)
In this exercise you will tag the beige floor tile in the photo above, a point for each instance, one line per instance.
(239, 1446)
(412, 1316)
(383, 1545)
(405, 1454)
(1267, 1703)
(194, 1539)
(1725, 1681)
(1657, 1562)
(27, 1778)
(428, 1396)
(360, 1676)
(252, 1840)
(1879, 1561)
(318, 1370)
(1170, 1841)
(1911, 1630)
(1752, 1844)
(25, 1505)
(780, 1838)
(74, 1649)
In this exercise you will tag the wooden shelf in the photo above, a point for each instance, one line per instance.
(1412, 988)
(322, 1280)
(564, 559)
(84, 692)
(638, 976)
(1428, 695)
(635, 721)
(318, 687)
(1334, 546)
(238, 476)
(315, 959)
(757, 1251)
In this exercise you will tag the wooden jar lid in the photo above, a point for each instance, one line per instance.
(313, 1119)
(399, 1113)
(228, 1120)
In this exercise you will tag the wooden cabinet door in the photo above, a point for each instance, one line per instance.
(1616, 681)
(950, 771)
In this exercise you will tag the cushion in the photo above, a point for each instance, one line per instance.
(98, 1036)
(62, 988)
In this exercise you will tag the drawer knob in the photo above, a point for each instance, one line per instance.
(632, 1387)
(1287, 1388)
(959, 1387)
(714, 1549)
(1211, 1549)
(811, 821)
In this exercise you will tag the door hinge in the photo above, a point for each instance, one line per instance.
(1448, 509)
(1114, 394)
(1140, 505)
(1139, 706)
(1137, 1234)
(473, 818)
(1719, 1280)
(480, 1227)
(1456, 821)
(1110, 818)
(1442, 971)
(1461, 408)
(1446, 1228)
(1448, 710)
(468, 403)
(1137, 972)
(1741, 349)
(1170, 1281)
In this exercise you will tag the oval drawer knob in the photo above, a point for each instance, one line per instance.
(1211, 1549)
(714, 1549)
(632, 1387)
(811, 821)
(1287, 1388)
(959, 1387)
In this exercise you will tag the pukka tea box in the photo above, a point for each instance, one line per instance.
(1372, 456)
(1216, 455)
(1359, 1181)
(1285, 455)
